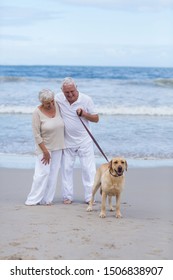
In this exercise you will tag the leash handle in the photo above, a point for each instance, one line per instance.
(92, 137)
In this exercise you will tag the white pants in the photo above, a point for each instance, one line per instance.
(44, 180)
(87, 161)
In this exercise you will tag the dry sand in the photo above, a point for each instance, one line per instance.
(68, 232)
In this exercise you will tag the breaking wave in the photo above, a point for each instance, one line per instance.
(143, 111)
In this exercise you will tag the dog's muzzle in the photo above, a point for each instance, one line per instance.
(119, 171)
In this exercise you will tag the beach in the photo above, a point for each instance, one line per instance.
(69, 232)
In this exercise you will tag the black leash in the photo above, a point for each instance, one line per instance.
(93, 139)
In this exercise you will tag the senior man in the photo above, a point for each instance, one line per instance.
(78, 143)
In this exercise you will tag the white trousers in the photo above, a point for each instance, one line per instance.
(44, 180)
(87, 161)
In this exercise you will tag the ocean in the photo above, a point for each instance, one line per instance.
(135, 106)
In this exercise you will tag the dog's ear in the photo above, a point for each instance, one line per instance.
(126, 165)
(110, 165)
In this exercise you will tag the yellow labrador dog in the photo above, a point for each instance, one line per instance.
(110, 178)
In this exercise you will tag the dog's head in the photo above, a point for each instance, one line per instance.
(117, 166)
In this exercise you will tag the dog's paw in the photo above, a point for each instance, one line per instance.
(102, 215)
(118, 215)
(112, 209)
(89, 208)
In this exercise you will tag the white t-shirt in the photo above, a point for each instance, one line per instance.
(75, 132)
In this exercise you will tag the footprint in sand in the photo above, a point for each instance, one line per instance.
(14, 244)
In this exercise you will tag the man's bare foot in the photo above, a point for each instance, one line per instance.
(67, 201)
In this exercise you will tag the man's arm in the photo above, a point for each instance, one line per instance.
(89, 117)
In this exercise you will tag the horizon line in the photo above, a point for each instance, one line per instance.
(65, 65)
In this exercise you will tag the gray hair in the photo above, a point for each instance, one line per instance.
(46, 95)
(68, 81)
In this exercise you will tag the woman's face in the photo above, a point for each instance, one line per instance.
(48, 104)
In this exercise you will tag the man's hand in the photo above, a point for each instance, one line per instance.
(79, 112)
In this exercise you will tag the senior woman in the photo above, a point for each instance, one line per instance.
(48, 131)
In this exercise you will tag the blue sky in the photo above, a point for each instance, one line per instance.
(86, 32)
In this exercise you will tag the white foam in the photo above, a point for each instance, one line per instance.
(16, 109)
(143, 110)
(107, 110)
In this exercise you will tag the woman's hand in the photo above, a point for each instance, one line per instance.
(46, 157)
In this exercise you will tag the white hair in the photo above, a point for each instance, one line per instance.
(46, 95)
(68, 81)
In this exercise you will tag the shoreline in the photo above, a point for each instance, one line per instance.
(21, 161)
(68, 232)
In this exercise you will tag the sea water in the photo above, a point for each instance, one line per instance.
(135, 106)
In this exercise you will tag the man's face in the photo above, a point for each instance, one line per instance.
(70, 93)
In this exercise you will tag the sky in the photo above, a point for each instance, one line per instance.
(87, 32)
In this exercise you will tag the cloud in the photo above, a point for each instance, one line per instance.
(14, 15)
(133, 5)
(14, 37)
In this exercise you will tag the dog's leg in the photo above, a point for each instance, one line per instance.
(103, 206)
(110, 203)
(118, 213)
